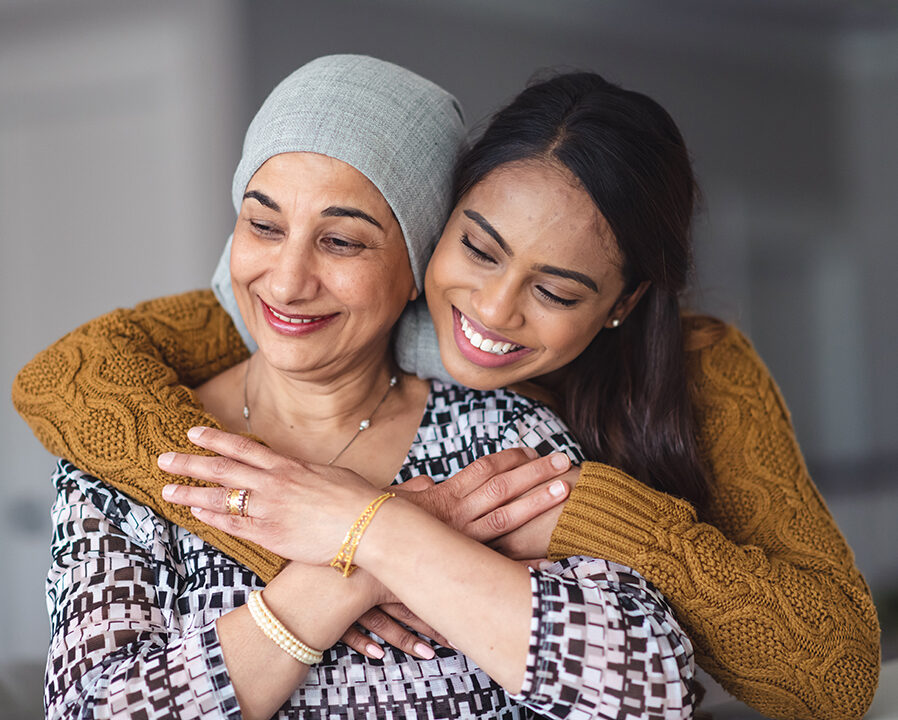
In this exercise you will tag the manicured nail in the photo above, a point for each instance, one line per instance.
(195, 432)
(425, 651)
(531, 453)
(165, 459)
(543, 564)
(449, 644)
(196, 510)
(560, 461)
(374, 650)
(556, 489)
(168, 491)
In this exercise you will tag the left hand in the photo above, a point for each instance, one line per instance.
(296, 509)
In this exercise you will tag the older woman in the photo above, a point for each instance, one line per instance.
(328, 247)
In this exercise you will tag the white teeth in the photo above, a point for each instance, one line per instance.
(485, 344)
(293, 321)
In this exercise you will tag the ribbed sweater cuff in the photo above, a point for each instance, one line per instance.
(615, 517)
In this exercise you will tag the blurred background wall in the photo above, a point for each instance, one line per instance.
(121, 124)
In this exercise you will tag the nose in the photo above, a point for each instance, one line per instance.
(497, 303)
(294, 275)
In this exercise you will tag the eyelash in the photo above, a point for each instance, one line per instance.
(476, 253)
(564, 302)
(480, 256)
(336, 243)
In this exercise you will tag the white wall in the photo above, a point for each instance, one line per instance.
(113, 189)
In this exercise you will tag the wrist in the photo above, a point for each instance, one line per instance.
(316, 604)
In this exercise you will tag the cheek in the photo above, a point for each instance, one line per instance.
(565, 338)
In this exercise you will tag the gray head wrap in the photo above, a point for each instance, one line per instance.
(399, 130)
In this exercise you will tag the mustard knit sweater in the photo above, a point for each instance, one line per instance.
(766, 585)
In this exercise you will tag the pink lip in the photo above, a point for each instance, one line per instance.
(295, 329)
(478, 356)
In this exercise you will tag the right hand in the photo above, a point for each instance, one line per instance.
(492, 496)
(495, 494)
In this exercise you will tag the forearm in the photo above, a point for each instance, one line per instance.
(478, 599)
(313, 603)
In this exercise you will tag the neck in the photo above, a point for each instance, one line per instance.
(320, 404)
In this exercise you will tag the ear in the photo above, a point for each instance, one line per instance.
(624, 306)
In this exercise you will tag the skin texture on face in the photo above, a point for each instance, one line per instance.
(319, 266)
(528, 263)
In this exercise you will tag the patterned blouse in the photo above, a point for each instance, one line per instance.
(133, 602)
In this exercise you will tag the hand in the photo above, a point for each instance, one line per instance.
(531, 540)
(495, 494)
(391, 621)
(298, 510)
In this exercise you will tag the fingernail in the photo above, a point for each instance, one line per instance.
(556, 489)
(196, 510)
(531, 453)
(374, 650)
(165, 459)
(560, 461)
(195, 432)
(168, 491)
(425, 651)
(449, 644)
(543, 564)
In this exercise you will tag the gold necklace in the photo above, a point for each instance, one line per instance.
(364, 425)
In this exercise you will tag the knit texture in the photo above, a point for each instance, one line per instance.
(766, 586)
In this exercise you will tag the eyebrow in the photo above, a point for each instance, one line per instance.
(263, 199)
(570, 274)
(350, 212)
(332, 211)
(490, 230)
(548, 269)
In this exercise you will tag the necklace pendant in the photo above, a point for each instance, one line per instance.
(364, 425)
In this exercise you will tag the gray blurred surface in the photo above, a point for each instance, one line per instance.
(121, 122)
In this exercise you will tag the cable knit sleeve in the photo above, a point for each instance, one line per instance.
(766, 586)
(109, 397)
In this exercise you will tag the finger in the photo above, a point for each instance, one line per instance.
(217, 469)
(360, 642)
(207, 498)
(236, 525)
(418, 483)
(237, 447)
(384, 626)
(401, 613)
(514, 483)
(518, 512)
(468, 479)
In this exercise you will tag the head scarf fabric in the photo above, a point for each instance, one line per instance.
(399, 130)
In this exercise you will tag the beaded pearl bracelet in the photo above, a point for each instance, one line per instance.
(275, 631)
(343, 561)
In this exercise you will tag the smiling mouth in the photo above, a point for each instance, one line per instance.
(496, 347)
(294, 320)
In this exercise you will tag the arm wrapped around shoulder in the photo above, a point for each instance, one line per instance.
(764, 584)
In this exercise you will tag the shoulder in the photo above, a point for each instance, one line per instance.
(498, 406)
(509, 417)
(84, 504)
(722, 358)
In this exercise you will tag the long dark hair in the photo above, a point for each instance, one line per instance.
(626, 397)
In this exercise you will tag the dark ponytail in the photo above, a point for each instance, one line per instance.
(627, 396)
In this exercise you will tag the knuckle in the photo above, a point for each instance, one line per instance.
(481, 466)
(232, 524)
(243, 445)
(497, 488)
(221, 466)
(498, 520)
(375, 621)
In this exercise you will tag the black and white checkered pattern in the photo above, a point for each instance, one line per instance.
(133, 602)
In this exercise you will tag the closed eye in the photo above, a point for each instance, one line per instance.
(263, 228)
(552, 298)
(475, 252)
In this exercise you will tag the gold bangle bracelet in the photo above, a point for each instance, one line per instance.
(276, 632)
(343, 561)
